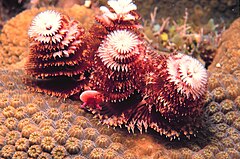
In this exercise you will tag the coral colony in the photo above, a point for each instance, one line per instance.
(122, 80)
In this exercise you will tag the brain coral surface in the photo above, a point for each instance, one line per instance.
(36, 125)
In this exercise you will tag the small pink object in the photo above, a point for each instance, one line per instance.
(91, 98)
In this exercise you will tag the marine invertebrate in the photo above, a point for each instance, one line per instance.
(54, 113)
(45, 155)
(63, 124)
(58, 51)
(9, 111)
(122, 15)
(23, 123)
(120, 49)
(82, 121)
(116, 137)
(4, 102)
(14, 49)
(109, 153)
(217, 118)
(168, 112)
(61, 136)
(20, 155)
(106, 130)
(227, 105)
(197, 156)
(3, 130)
(87, 146)
(186, 153)
(35, 138)
(207, 153)
(237, 102)
(32, 108)
(213, 82)
(235, 137)
(233, 91)
(219, 94)
(90, 133)
(227, 142)
(220, 135)
(221, 127)
(96, 153)
(12, 137)
(208, 98)
(20, 113)
(59, 152)
(227, 80)
(16, 102)
(73, 145)
(11, 123)
(230, 117)
(76, 131)
(11, 85)
(79, 157)
(103, 141)
(7, 151)
(68, 115)
(47, 130)
(34, 151)
(130, 154)
(46, 122)
(40, 102)
(22, 144)
(38, 116)
(92, 125)
(118, 147)
(28, 129)
(115, 60)
(48, 143)
(222, 155)
(91, 98)
(236, 123)
(212, 108)
(233, 153)
(2, 118)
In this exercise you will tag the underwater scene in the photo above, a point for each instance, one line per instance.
(120, 79)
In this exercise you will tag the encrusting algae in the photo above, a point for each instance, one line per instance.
(219, 137)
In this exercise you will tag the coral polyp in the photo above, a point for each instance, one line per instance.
(59, 152)
(57, 52)
(34, 151)
(73, 145)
